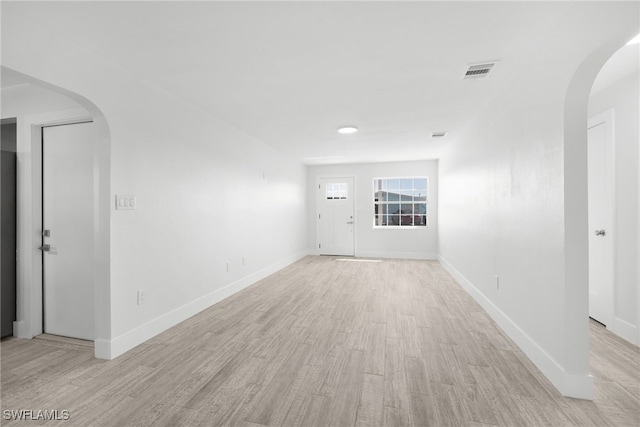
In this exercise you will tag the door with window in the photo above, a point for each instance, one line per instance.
(335, 218)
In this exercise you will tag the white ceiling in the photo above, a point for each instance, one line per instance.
(290, 73)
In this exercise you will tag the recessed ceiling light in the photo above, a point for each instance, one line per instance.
(347, 129)
(634, 40)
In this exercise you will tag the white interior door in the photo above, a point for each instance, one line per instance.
(600, 205)
(335, 216)
(67, 204)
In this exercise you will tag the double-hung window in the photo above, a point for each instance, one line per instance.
(400, 202)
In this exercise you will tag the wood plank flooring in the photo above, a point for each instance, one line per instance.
(322, 343)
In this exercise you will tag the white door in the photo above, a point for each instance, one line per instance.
(67, 205)
(600, 205)
(335, 216)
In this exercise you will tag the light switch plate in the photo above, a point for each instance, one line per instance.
(124, 202)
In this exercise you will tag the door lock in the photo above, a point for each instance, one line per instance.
(600, 233)
(46, 233)
(45, 248)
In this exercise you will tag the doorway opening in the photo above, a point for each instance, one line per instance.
(601, 209)
(614, 111)
(67, 229)
(8, 226)
(52, 106)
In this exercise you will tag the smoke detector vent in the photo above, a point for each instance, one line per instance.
(439, 134)
(479, 71)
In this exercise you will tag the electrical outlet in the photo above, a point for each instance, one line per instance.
(496, 279)
(142, 298)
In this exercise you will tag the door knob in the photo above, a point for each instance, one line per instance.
(45, 248)
(600, 233)
(349, 222)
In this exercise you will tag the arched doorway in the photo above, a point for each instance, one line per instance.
(576, 216)
(36, 104)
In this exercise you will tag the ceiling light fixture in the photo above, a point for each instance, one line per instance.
(347, 129)
(634, 40)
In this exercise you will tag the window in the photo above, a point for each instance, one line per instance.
(400, 202)
(336, 191)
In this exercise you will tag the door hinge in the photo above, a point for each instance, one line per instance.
(318, 216)
(318, 186)
(319, 246)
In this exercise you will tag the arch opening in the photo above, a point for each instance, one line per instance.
(576, 295)
(35, 104)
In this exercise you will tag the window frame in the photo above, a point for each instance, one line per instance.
(379, 203)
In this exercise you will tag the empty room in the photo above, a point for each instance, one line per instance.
(340, 213)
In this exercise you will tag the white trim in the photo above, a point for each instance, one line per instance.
(607, 118)
(570, 385)
(397, 255)
(110, 349)
(624, 329)
(29, 277)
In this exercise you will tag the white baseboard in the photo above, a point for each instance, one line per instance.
(110, 349)
(571, 385)
(396, 255)
(624, 329)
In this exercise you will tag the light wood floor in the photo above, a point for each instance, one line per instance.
(323, 343)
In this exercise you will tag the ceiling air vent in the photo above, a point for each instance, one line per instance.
(479, 71)
(439, 134)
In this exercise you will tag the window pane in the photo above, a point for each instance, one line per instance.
(406, 196)
(394, 184)
(419, 196)
(406, 209)
(394, 208)
(421, 208)
(421, 220)
(406, 184)
(393, 220)
(336, 191)
(393, 196)
(420, 184)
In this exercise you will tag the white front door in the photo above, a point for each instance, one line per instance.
(67, 204)
(335, 219)
(600, 205)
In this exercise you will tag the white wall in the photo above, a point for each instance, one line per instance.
(513, 200)
(623, 96)
(27, 99)
(207, 193)
(418, 243)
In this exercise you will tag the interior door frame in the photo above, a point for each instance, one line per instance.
(29, 296)
(42, 208)
(317, 211)
(607, 118)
